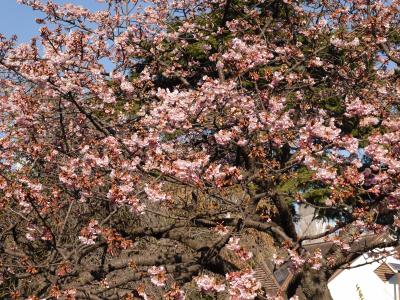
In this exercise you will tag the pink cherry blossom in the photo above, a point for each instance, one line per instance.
(243, 285)
(157, 275)
(209, 284)
(89, 234)
(155, 194)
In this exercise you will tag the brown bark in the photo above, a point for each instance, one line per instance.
(314, 285)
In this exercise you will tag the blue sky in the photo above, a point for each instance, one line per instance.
(20, 20)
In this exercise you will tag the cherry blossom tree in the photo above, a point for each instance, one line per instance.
(149, 179)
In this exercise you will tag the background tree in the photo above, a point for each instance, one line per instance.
(175, 175)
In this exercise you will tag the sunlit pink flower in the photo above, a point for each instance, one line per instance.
(157, 275)
(209, 284)
(243, 285)
(296, 261)
(233, 244)
(326, 174)
(223, 137)
(89, 233)
(175, 293)
(155, 194)
(316, 62)
(368, 121)
(221, 229)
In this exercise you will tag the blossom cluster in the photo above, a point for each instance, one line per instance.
(209, 284)
(90, 233)
(243, 254)
(157, 275)
(243, 285)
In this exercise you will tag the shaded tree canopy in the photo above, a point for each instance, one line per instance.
(175, 175)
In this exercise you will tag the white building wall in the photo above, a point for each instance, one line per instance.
(344, 286)
(308, 224)
(395, 289)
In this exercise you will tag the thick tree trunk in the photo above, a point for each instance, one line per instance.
(314, 285)
(309, 284)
